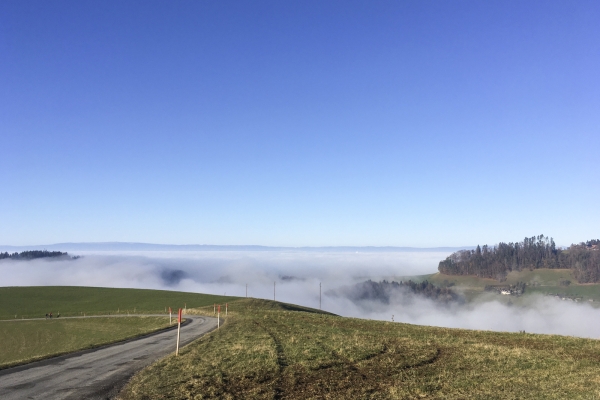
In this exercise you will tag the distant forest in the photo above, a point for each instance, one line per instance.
(384, 290)
(532, 253)
(33, 254)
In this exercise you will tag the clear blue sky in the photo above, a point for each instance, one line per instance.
(406, 123)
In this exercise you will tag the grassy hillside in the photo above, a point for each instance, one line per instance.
(269, 351)
(29, 340)
(25, 341)
(36, 301)
(541, 281)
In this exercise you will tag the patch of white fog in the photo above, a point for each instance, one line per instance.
(297, 276)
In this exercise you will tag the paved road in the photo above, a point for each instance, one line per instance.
(99, 373)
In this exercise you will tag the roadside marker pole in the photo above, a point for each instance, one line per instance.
(225, 309)
(178, 330)
(246, 290)
(214, 308)
(170, 316)
(273, 291)
(218, 317)
(319, 295)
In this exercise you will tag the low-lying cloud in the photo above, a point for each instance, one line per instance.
(297, 276)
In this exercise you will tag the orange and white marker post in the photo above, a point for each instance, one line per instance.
(170, 317)
(178, 331)
(218, 315)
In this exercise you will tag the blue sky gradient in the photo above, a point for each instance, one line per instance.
(312, 123)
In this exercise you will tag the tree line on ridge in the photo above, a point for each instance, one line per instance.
(33, 254)
(532, 253)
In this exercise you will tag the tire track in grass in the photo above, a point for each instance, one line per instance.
(375, 380)
(282, 361)
(341, 361)
(338, 359)
(376, 377)
(428, 361)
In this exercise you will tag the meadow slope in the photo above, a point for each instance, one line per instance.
(268, 350)
(541, 281)
(26, 341)
(35, 301)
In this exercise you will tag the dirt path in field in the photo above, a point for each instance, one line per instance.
(98, 373)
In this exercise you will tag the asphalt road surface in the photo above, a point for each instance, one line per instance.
(96, 374)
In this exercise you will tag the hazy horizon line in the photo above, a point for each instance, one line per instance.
(141, 246)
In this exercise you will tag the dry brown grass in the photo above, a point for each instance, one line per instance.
(264, 352)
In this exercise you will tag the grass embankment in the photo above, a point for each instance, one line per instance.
(26, 341)
(36, 301)
(266, 351)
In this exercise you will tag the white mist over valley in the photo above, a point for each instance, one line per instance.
(297, 275)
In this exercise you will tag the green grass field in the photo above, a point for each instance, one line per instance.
(266, 350)
(25, 341)
(539, 281)
(271, 350)
(36, 301)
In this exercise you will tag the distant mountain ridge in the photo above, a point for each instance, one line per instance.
(127, 246)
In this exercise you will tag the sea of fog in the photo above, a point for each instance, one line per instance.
(297, 276)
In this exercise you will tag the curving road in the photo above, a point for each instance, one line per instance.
(98, 373)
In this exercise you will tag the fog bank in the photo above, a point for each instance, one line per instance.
(297, 276)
